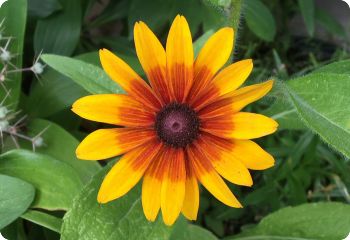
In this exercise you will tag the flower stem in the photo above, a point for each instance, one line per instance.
(235, 18)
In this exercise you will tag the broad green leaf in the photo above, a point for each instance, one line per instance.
(311, 221)
(340, 67)
(285, 114)
(120, 219)
(91, 78)
(260, 20)
(16, 196)
(194, 232)
(307, 8)
(43, 219)
(42, 9)
(59, 33)
(57, 92)
(322, 101)
(56, 182)
(61, 145)
(329, 22)
(14, 14)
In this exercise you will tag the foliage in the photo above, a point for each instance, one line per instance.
(47, 193)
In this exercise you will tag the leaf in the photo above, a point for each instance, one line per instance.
(329, 23)
(120, 219)
(307, 8)
(55, 181)
(14, 14)
(60, 145)
(59, 33)
(42, 9)
(260, 20)
(340, 67)
(194, 232)
(322, 101)
(15, 198)
(322, 221)
(91, 78)
(43, 219)
(285, 114)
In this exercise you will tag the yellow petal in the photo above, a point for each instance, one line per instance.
(179, 52)
(191, 202)
(251, 155)
(173, 186)
(152, 58)
(227, 80)
(233, 76)
(107, 143)
(240, 125)
(211, 58)
(236, 100)
(118, 109)
(210, 179)
(218, 150)
(251, 125)
(127, 172)
(151, 186)
(243, 96)
(128, 79)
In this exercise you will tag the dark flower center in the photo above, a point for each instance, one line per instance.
(177, 125)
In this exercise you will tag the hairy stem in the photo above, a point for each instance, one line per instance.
(235, 18)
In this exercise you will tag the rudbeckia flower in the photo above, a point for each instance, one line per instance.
(182, 128)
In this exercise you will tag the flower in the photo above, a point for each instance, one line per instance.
(183, 127)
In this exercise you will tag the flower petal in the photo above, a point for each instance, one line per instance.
(251, 155)
(152, 58)
(152, 185)
(127, 172)
(210, 179)
(128, 79)
(236, 100)
(218, 150)
(241, 125)
(191, 202)
(117, 109)
(179, 52)
(173, 186)
(107, 143)
(211, 58)
(227, 80)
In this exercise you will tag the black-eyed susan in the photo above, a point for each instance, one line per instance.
(183, 127)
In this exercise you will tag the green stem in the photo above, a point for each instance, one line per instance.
(235, 18)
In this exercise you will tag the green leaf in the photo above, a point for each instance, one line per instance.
(56, 182)
(59, 33)
(120, 219)
(43, 219)
(322, 221)
(91, 78)
(329, 23)
(61, 145)
(260, 20)
(340, 67)
(323, 103)
(42, 9)
(15, 198)
(14, 14)
(285, 114)
(307, 8)
(194, 232)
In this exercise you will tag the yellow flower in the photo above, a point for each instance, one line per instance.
(185, 127)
